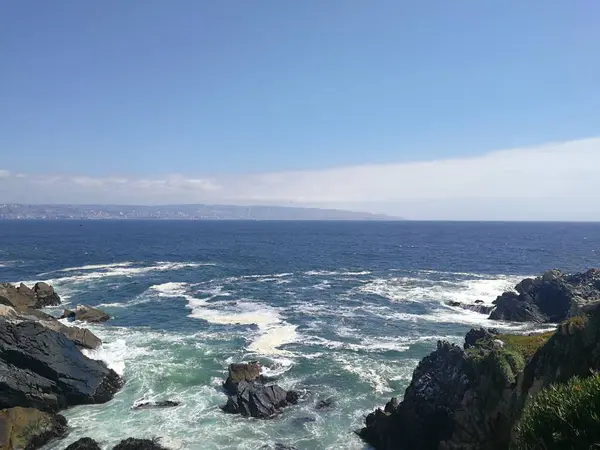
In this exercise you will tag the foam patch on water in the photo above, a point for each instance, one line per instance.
(90, 267)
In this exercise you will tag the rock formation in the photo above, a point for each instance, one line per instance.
(41, 368)
(80, 336)
(85, 443)
(22, 296)
(85, 314)
(553, 297)
(159, 404)
(27, 428)
(250, 396)
(471, 398)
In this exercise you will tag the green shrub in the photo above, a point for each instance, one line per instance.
(507, 363)
(527, 345)
(562, 417)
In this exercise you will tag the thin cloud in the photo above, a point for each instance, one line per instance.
(503, 184)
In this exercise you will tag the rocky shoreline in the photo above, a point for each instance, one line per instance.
(460, 397)
(472, 396)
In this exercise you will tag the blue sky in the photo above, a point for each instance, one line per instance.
(215, 91)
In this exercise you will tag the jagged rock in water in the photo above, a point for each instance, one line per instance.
(250, 397)
(328, 403)
(43, 369)
(85, 314)
(477, 307)
(28, 428)
(80, 336)
(553, 297)
(158, 404)
(85, 443)
(139, 444)
(278, 446)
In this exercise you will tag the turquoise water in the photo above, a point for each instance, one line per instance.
(342, 310)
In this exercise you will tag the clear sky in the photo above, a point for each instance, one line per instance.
(200, 101)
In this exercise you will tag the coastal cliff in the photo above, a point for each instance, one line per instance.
(473, 397)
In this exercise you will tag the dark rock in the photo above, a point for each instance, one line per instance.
(424, 418)
(242, 372)
(328, 403)
(475, 335)
(553, 297)
(28, 428)
(139, 444)
(85, 443)
(159, 404)
(43, 369)
(303, 420)
(479, 301)
(391, 406)
(85, 314)
(45, 295)
(249, 396)
(80, 336)
(476, 307)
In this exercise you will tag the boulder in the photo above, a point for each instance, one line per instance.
(80, 336)
(85, 443)
(475, 335)
(28, 428)
(139, 444)
(250, 397)
(551, 298)
(242, 372)
(40, 296)
(45, 295)
(41, 368)
(159, 404)
(85, 314)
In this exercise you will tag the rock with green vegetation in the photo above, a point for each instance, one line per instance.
(28, 428)
(562, 416)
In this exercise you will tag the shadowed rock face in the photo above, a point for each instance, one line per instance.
(139, 444)
(249, 396)
(27, 428)
(85, 443)
(553, 297)
(43, 369)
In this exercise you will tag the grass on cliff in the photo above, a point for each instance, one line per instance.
(526, 345)
(562, 416)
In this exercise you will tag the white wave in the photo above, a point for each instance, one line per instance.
(271, 339)
(409, 289)
(113, 354)
(112, 305)
(123, 271)
(319, 273)
(90, 267)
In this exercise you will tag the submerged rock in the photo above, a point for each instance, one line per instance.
(249, 396)
(85, 314)
(28, 428)
(478, 306)
(553, 297)
(328, 403)
(159, 404)
(43, 369)
(22, 296)
(85, 443)
(139, 444)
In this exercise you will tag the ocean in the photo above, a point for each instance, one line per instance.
(334, 309)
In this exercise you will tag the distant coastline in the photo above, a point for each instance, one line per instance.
(179, 212)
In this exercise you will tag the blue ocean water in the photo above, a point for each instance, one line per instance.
(336, 309)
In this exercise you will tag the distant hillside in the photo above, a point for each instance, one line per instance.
(182, 212)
